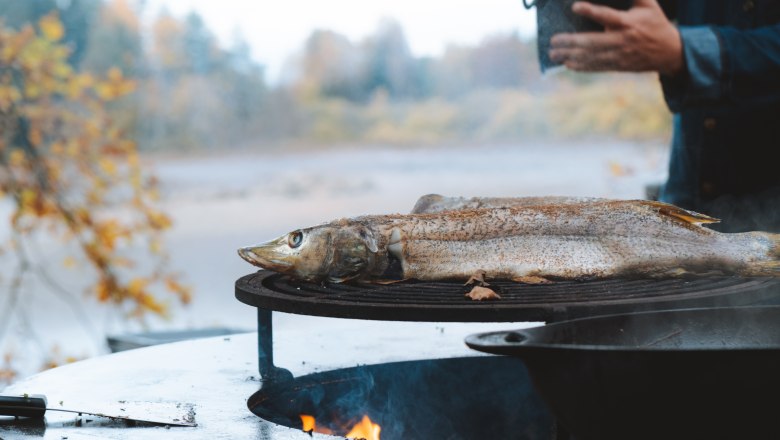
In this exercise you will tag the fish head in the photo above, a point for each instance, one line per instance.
(336, 252)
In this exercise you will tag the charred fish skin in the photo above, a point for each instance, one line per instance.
(572, 239)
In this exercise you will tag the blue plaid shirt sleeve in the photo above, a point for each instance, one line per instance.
(725, 65)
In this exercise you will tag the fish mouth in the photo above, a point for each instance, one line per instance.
(267, 256)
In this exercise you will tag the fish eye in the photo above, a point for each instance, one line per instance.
(295, 239)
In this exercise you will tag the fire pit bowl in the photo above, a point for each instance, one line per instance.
(482, 397)
(687, 374)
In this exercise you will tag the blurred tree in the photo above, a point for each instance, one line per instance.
(499, 62)
(199, 45)
(70, 171)
(115, 40)
(196, 94)
(389, 63)
(77, 16)
(451, 73)
(330, 67)
(247, 92)
(167, 53)
(183, 47)
(503, 61)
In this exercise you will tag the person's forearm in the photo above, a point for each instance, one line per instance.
(751, 62)
(726, 65)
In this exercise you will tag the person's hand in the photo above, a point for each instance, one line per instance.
(639, 39)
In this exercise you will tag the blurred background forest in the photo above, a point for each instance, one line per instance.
(194, 94)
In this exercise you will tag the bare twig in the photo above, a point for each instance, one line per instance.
(68, 298)
(28, 329)
(13, 297)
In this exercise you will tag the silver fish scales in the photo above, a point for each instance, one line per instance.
(568, 238)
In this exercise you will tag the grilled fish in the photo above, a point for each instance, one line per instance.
(560, 238)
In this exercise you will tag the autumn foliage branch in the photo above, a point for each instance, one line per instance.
(71, 172)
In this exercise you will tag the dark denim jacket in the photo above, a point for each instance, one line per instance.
(726, 146)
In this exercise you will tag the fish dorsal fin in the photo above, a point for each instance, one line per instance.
(426, 202)
(680, 214)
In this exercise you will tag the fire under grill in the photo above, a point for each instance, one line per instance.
(460, 398)
(339, 395)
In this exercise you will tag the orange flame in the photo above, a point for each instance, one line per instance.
(309, 425)
(364, 430)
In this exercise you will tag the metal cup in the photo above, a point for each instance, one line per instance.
(555, 16)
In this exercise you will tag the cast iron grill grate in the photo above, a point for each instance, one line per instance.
(444, 301)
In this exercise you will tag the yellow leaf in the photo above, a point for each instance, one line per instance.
(148, 302)
(17, 44)
(17, 158)
(122, 262)
(35, 137)
(9, 96)
(155, 246)
(92, 129)
(132, 159)
(32, 91)
(73, 149)
(115, 74)
(85, 80)
(137, 286)
(57, 148)
(51, 27)
(27, 198)
(158, 220)
(109, 232)
(103, 290)
(77, 84)
(105, 91)
(184, 292)
(62, 70)
(153, 193)
(69, 262)
(108, 166)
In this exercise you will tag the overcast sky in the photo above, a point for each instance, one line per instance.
(275, 29)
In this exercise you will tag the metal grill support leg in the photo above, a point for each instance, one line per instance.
(265, 349)
(265, 342)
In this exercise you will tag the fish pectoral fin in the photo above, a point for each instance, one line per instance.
(395, 244)
(532, 279)
(678, 213)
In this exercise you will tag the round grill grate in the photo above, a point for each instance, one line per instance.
(445, 301)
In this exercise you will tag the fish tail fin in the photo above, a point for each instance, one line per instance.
(769, 266)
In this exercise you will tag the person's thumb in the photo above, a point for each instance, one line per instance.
(603, 15)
